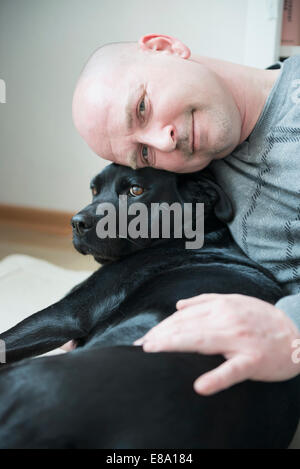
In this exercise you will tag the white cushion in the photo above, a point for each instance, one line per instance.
(28, 285)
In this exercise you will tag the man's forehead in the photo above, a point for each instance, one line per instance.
(104, 110)
(93, 106)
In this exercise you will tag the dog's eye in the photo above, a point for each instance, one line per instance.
(136, 190)
(94, 190)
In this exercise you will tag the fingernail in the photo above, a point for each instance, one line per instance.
(199, 390)
(202, 388)
(138, 341)
(150, 347)
(180, 303)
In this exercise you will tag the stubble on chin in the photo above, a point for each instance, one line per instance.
(224, 142)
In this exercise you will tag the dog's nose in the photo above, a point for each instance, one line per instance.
(81, 223)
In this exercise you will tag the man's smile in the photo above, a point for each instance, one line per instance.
(193, 134)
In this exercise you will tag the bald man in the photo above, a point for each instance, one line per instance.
(152, 103)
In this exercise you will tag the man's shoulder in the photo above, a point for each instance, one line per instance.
(294, 60)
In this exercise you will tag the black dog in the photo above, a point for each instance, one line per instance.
(110, 394)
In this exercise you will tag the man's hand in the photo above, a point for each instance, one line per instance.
(254, 336)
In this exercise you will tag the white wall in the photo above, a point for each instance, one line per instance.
(43, 46)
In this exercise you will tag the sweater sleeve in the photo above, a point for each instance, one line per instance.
(291, 306)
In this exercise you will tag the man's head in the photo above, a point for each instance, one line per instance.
(150, 104)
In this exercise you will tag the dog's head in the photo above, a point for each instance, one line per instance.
(118, 188)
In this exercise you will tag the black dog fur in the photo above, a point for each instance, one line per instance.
(110, 394)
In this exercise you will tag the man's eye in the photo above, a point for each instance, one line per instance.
(142, 108)
(145, 154)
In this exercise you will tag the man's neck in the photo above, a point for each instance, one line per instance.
(249, 86)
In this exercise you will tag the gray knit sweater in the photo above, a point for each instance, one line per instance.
(262, 179)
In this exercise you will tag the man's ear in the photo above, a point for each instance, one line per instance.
(163, 43)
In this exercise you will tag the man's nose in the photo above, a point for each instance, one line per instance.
(82, 223)
(163, 139)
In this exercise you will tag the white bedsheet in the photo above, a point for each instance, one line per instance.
(28, 285)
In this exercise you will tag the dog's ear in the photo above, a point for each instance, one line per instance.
(223, 208)
(201, 187)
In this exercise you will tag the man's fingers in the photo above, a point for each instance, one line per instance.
(233, 371)
(172, 323)
(211, 341)
(196, 300)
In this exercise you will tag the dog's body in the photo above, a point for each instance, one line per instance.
(119, 397)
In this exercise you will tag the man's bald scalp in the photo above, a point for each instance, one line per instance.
(121, 50)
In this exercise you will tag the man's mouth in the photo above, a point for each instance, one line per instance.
(192, 135)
